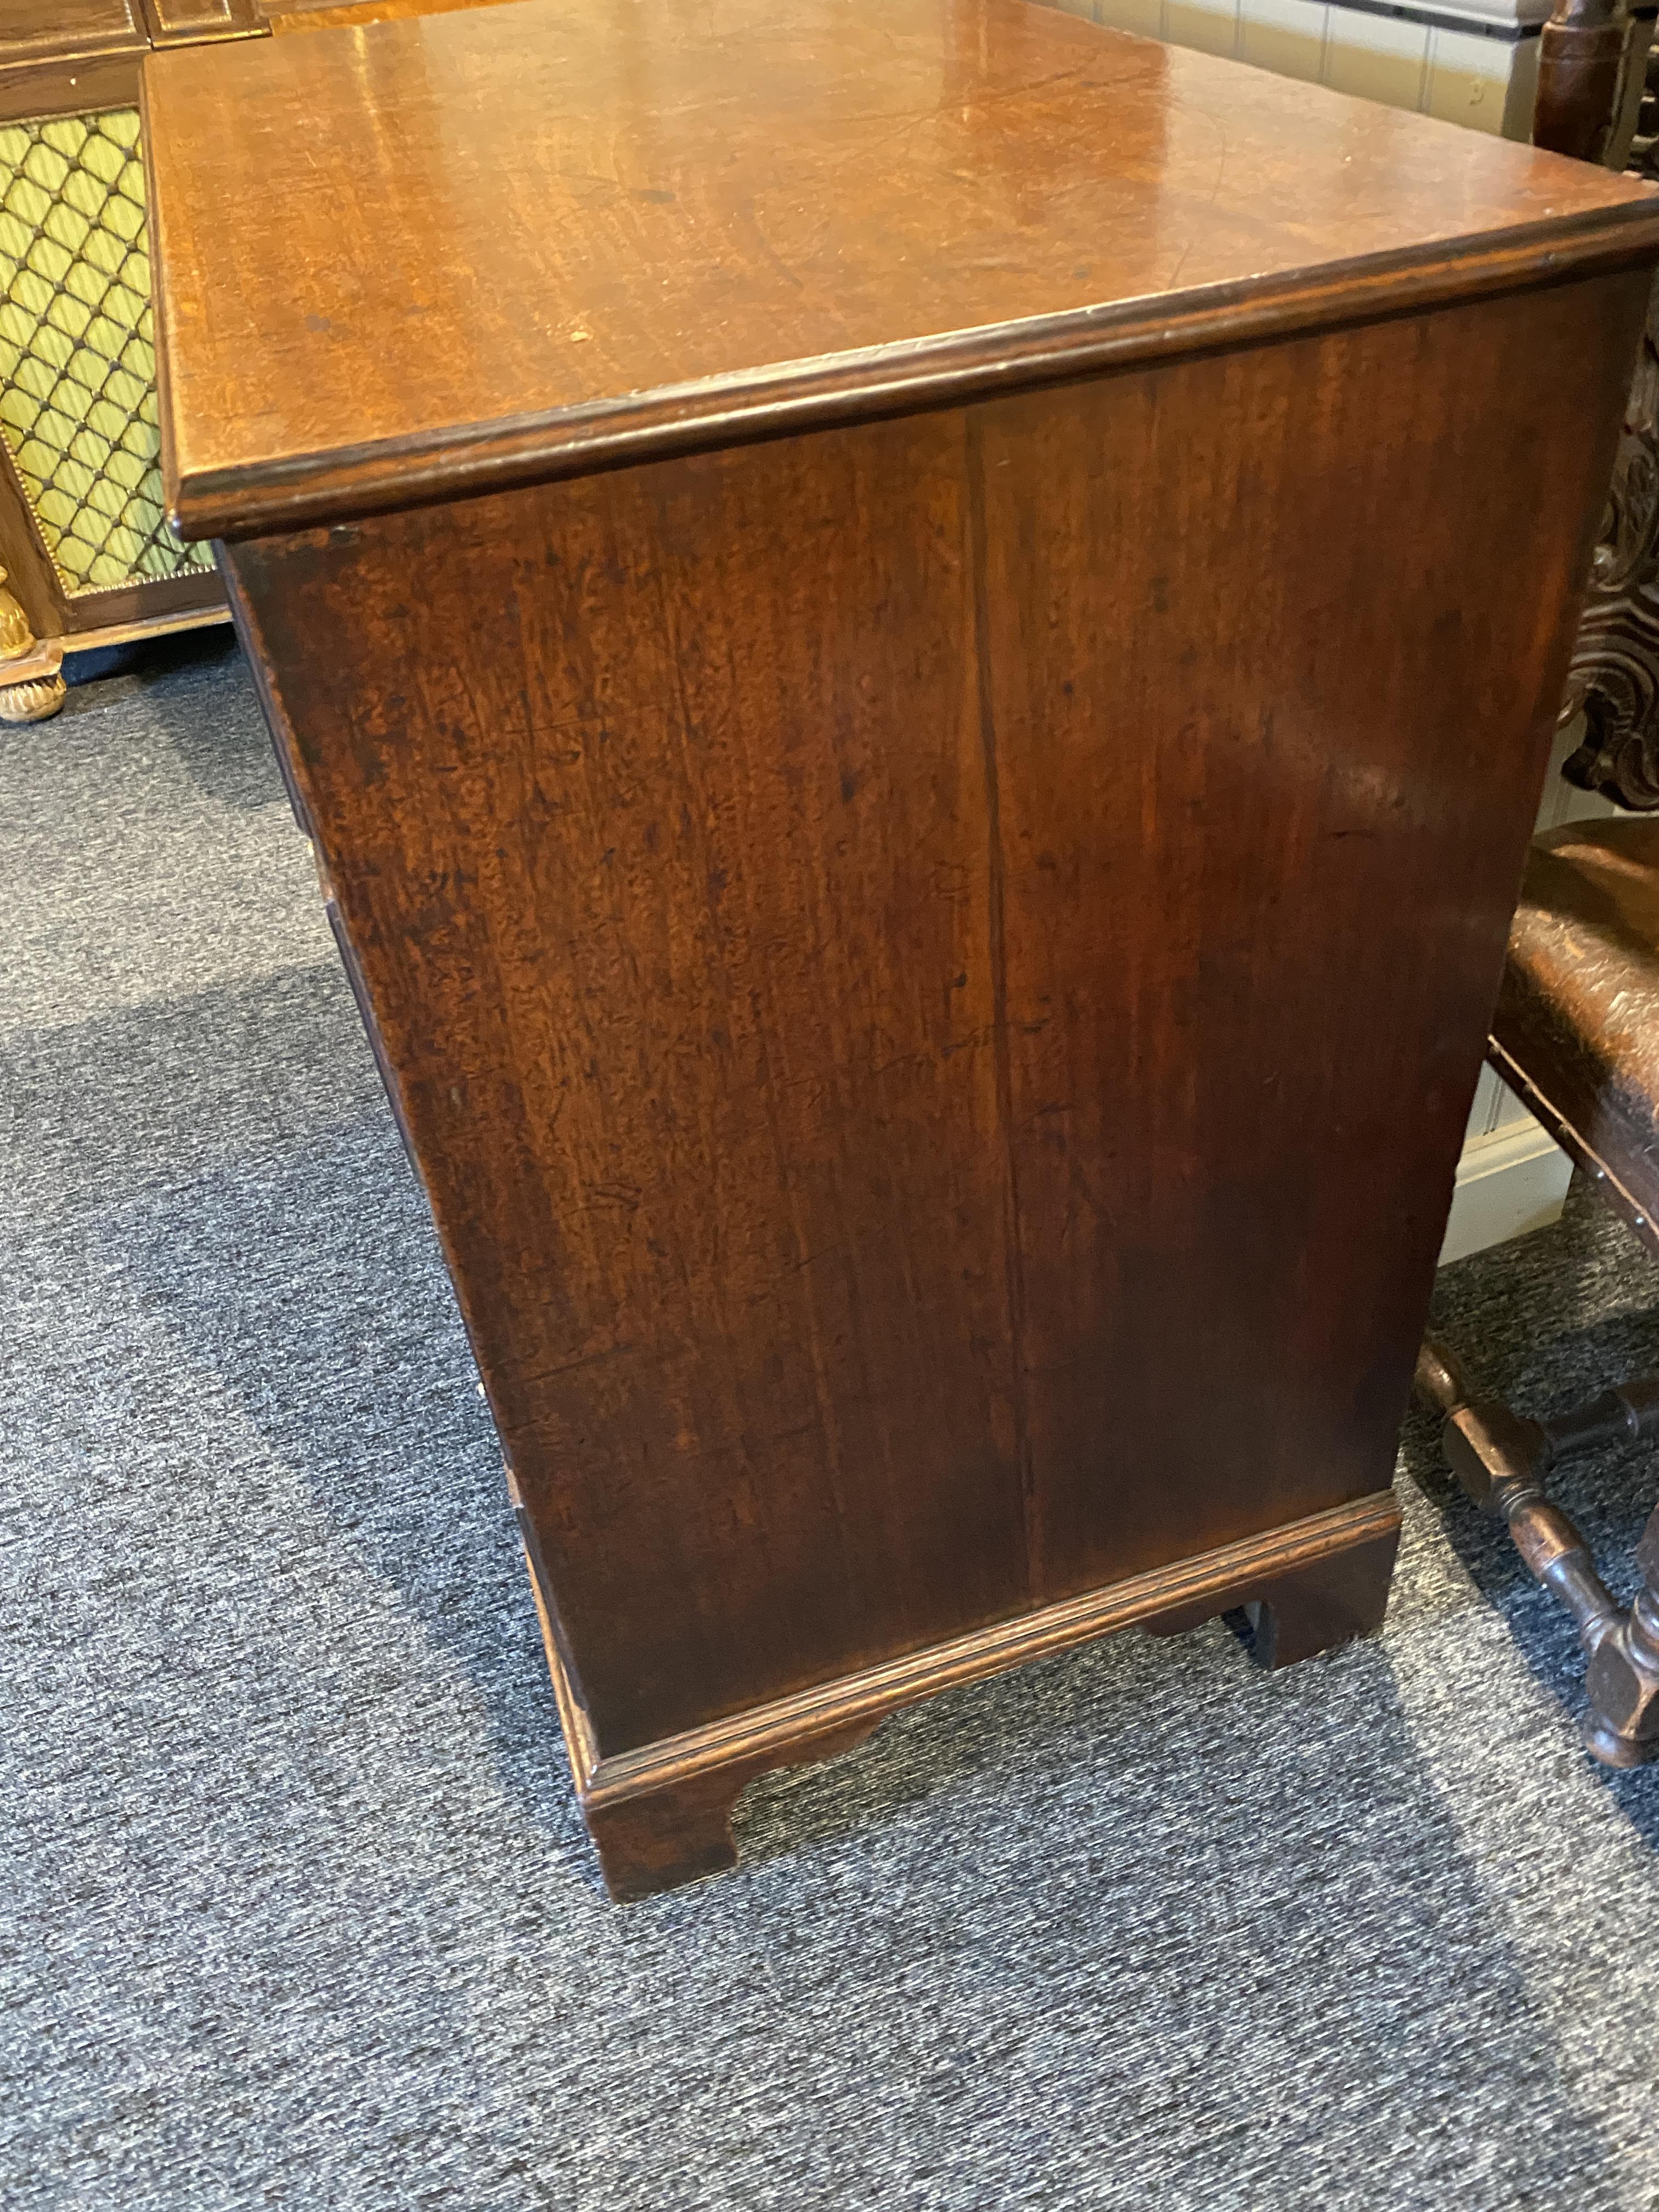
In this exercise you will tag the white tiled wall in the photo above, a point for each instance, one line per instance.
(1463, 77)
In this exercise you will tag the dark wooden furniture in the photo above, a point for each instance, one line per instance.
(1613, 679)
(920, 688)
(1583, 55)
(1576, 1029)
(1575, 1035)
(88, 559)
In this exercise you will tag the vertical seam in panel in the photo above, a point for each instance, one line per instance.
(997, 948)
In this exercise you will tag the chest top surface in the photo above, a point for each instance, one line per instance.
(466, 250)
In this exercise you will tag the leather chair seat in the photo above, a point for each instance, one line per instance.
(1578, 1011)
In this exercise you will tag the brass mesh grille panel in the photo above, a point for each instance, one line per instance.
(77, 364)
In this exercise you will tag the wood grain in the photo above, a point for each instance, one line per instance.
(841, 209)
(900, 953)
(40, 30)
(919, 680)
(1221, 786)
(68, 56)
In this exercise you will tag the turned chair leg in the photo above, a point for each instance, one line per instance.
(1500, 1461)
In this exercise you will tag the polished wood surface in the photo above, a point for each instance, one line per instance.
(76, 56)
(933, 970)
(863, 933)
(38, 30)
(838, 208)
(69, 57)
(73, 59)
(322, 14)
(61, 58)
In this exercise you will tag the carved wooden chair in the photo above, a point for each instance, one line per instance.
(1576, 1033)
(1576, 1037)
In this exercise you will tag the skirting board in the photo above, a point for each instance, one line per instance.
(1511, 1180)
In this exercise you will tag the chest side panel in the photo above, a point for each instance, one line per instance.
(934, 971)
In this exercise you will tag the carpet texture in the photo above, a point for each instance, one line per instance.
(294, 1909)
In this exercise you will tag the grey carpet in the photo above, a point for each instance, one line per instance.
(296, 1911)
